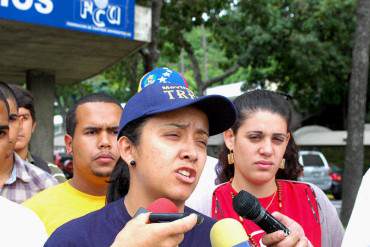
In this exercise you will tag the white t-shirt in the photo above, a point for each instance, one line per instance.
(201, 198)
(19, 226)
(357, 232)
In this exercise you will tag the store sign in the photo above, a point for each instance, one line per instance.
(110, 17)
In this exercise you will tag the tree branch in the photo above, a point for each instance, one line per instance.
(227, 73)
(193, 59)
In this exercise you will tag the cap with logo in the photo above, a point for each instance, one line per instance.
(163, 90)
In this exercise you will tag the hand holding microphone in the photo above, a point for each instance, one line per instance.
(164, 210)
(296, 238)
(139, 233)
(280, 229)
(247, 206)
(158, 225)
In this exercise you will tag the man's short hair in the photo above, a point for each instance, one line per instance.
(24, 99)
(8, 92)
(71, 120)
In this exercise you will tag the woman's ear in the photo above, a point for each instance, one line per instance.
(126, 149)
(229, 139)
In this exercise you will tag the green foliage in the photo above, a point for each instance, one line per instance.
(304, 46)
(217, 60)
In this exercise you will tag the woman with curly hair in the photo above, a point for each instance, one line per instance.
(261, 157)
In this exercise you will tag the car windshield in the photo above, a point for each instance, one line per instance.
(312, 160)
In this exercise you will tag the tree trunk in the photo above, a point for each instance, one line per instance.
(151, 53)
(356, 110)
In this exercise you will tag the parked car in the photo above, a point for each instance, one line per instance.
(336, 181)
(315, 169)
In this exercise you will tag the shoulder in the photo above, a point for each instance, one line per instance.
(105, 221)
(46, 196)
(26, 222)
(40, 175)
(301, 187)
(17, 211)
(366, 179)
(221, 188)
(294, 184)
(318, 193)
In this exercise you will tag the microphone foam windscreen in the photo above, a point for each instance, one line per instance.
(163, 205)
(228, 232)
(246, 205)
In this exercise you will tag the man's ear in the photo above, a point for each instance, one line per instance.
(33, 126)
(126, 149)
(229, 139)
(68, 141)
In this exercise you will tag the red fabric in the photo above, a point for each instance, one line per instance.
(298, 202)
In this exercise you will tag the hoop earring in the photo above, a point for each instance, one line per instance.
(230, 157)
(282, 164)
(132, 162)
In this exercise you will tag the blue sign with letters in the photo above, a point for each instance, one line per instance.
(109, 17)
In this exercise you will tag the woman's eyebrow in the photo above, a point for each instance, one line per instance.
(184, 126)
(181, 126)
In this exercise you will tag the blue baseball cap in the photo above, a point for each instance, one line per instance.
(163, 90)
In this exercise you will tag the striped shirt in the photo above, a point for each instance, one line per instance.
(25, 181)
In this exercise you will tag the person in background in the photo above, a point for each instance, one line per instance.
(92, 126)
(27, 117)
(204, 188)
(19, 226)
(357, 234)
(162, 142)
(19, 179)
(260, 156)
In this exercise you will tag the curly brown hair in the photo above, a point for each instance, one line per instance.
(245, 105)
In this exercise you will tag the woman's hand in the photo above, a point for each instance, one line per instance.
(139, 233)
(296, 237)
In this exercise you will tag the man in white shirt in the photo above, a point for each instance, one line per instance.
(357, 234)
(19, 226)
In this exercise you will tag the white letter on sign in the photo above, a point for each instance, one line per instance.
(44, 6)
(4, 3)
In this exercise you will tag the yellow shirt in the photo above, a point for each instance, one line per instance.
(62, 203)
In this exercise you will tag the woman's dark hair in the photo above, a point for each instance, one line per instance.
(247, 104)
(119, 181)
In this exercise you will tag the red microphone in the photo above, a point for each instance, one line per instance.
(163, 205)
(164, 210)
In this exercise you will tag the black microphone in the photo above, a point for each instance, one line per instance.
(247, 206)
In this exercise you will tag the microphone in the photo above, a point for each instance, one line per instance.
(247, 206)
(164, 210)
(163, 205)
(228, 232)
